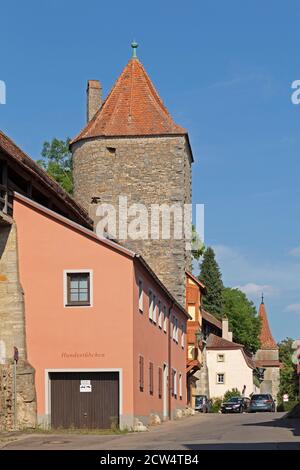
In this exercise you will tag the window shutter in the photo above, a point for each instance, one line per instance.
(151, 378)
(141, 366)
(159, 382)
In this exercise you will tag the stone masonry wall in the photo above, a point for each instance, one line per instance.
(12, 333)
(148, 170)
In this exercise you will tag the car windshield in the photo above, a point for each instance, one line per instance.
(234, 400)
(199, 400)
(260, 397)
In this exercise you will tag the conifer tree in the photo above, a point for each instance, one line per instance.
(211, 276)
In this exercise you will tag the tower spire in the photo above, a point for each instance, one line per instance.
(134, 46)
(262, 298)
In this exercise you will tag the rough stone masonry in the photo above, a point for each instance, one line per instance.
(148, 170)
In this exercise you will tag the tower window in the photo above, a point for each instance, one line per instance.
(111, 150)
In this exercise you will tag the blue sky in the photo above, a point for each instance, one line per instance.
(224, 70)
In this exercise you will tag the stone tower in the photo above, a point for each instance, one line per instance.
(267, 356)
(131, 147)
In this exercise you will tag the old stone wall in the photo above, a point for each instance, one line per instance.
(147, 170)
(12, 334)
(22, 414)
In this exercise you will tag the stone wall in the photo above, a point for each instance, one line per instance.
(24, 414)
(148, 170)
(12, 334)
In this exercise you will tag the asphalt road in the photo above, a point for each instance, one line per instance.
(210, 431)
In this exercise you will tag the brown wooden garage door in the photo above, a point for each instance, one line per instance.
(84, 399)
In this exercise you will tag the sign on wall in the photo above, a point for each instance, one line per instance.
(85, 386)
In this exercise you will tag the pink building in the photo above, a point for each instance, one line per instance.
(106, 338)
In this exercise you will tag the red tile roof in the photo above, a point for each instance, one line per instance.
(216, 343)
(197, 281)
(266, 339)
(132, 108)
(211, 319)
(31, 167)
(267, 363)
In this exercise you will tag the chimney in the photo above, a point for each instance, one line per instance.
(93, 98)
(226, 334)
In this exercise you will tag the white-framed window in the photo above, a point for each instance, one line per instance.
(180, 386)
(160, 315)
(173, 328)
(154, 316)
(150, 304)
(175, 383)
(182, 335)
(78, 288)
(141, 296)
(220, 378)
(165, 318)
(221, 358)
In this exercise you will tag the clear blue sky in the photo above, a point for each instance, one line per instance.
(224, 69)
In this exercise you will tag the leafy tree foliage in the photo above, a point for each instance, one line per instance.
(243, 320)
(210, 275)
(197, 245)
(231, 393)
(289, 381)
(57, 161)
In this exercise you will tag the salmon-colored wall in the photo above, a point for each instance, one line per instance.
(151, 342)
(47, 247)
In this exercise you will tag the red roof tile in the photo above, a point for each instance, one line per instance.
(211, 319)
(266, 339)
(217, 343)
(132, 108)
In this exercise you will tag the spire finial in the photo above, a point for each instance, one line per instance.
(134, 46)
(262, 297)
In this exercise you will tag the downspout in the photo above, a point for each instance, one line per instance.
(170, 389)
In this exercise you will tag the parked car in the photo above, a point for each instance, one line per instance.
(235, 405)
(262, 402)
(202, 404)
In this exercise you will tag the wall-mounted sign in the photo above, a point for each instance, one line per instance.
(85, 386)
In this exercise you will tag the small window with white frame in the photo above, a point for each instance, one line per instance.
(150, 305)
(78, 288)
(154, 313)
(141, 296)
(160, 315)
(165, 318)
(182, 336)
(174, 328)
(221, 378)
(180, 386)
(221, 358)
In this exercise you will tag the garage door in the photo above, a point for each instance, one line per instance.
(84, 399)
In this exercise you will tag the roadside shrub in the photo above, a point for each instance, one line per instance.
(286, 405)
(216, 404)
(232, 393)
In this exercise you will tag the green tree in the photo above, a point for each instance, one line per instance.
(288, 373)
(231, 393)
(243, 320)
(57, 161)
(197, 245)
(210, 275)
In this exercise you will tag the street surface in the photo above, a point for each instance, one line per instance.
(209, 431)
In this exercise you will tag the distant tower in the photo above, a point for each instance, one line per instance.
(267, 356)
(132, 147)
